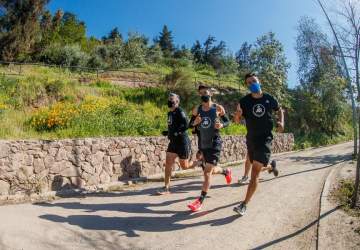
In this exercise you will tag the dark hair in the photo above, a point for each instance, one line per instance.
(248, 75)
(201, 87)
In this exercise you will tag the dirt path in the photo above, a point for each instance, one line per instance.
(282, 215)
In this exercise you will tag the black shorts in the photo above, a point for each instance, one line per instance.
(212, 155)
(259, 148)
(181, 148)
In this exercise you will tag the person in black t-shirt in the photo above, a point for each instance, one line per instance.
(179, 142)
(257, 109)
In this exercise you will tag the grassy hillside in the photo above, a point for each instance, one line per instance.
(47, 103)
(146, 74)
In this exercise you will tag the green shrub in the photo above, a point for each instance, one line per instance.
(320, 139)
(234, 129)
(68, 55)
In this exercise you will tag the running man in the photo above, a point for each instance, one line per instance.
(179, 145)
(257, 108)
(209, 118)
(195, 131)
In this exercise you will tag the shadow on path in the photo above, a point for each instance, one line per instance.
(286, 237)
(129, 225)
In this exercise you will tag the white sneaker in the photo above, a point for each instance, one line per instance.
(241, 209)
(244, 180)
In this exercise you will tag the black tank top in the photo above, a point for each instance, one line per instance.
(207, 127)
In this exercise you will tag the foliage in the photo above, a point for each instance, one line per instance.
(19, 27)
(344, 194)
(266, 57)
(318, 105)
(68, 55)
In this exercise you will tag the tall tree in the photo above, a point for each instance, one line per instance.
(166, 42)
(72, 30)
(208, 45)
(19, 25)
(309, 44)
(320, 98)
(347, 44)
(243, 59)
(269, 60)
(197, 52)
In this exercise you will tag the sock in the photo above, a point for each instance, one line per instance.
(202, 196)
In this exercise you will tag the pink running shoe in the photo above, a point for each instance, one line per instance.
(228, 176)
(195, 206)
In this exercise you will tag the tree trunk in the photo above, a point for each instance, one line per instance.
(355, 197)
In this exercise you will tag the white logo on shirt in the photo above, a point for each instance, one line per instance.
(169, 119)
(258, 110)
(205, 122)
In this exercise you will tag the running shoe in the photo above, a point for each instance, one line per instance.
(195, 206)
(244, 180)
(228, 176)
(163, 191)
(241, 209)
(274, 169)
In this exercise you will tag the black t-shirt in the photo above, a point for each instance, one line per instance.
(177, 124)
(258, 113)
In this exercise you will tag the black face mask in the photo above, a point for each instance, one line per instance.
(205, 98)
(171, 104)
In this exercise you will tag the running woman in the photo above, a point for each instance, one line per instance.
(210, 118)
(257, 109)
(179, 145)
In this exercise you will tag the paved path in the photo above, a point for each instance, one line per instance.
(282, 215)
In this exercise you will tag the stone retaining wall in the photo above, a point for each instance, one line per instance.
(37, 166)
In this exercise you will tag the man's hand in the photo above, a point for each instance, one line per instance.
(218, 125)
(280, 127)
(197, 120)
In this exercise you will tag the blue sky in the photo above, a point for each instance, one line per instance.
(234, 21)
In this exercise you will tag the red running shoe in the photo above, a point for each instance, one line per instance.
(228, 176)
(195, 206)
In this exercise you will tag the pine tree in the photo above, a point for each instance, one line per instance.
(197, 52)
(166, 42)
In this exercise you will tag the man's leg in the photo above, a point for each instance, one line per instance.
(196, 205)
(211, 157)
(255, 172)
(188, 164)
(245, 177)
(214, 154)
(208, 171)
(225, 172)
(247, 166)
